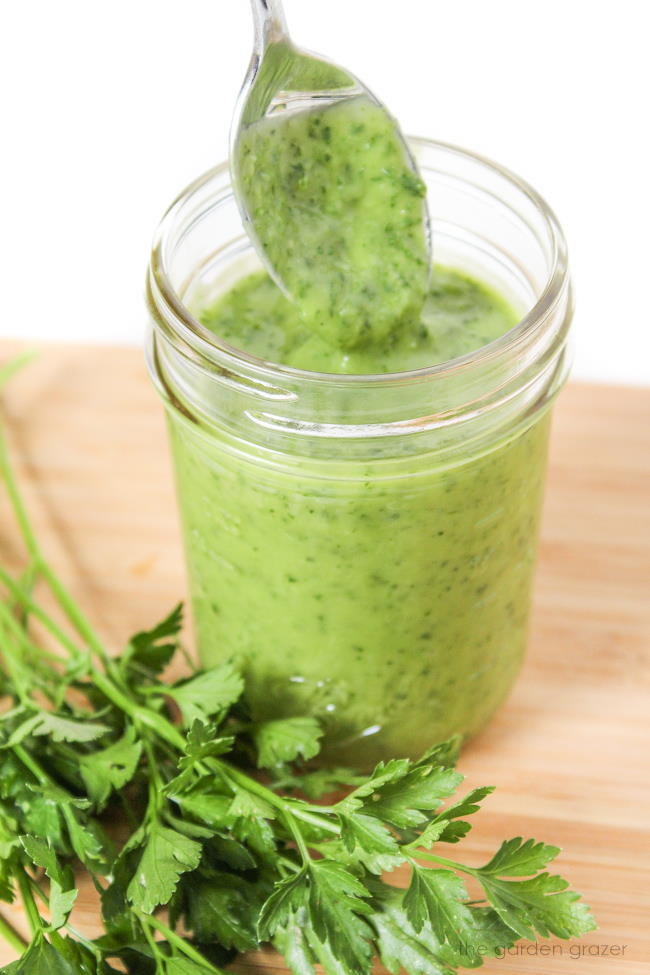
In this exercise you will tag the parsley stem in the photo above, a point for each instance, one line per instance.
(179, 943)
(314, 820)
(11, 936)
(287, 864)
(28, 603)
(27, 581)
(140, 715)
(33, 916)
(13, 666)
(16, 500)
(298, 839)
(20, 633)
(65, 600)
(156, 795)
(423, 855)
(286, 806)
(159, 958)
(73, 612)
(30, 764)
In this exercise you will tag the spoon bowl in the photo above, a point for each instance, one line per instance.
(316, 159)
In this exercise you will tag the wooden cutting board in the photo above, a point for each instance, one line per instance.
(569, 752)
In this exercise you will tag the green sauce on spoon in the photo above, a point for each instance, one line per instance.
(339, 214)
(328, 191)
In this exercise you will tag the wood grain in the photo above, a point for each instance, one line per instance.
(569, 751)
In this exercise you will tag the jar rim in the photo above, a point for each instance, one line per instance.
(208, 345)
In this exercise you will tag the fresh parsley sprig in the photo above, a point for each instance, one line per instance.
(152, 787)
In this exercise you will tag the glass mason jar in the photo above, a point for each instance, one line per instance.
(365, 545)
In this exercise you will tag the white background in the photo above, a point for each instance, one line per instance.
(109, 109)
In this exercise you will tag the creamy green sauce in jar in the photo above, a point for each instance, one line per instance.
(394, 609)
(459, 315)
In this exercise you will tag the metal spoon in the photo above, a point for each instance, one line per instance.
(283, 80)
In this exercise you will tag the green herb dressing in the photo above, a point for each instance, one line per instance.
(394, 610)
(459, 316)
(339, 212)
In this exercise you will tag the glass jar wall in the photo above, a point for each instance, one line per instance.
(365, 545)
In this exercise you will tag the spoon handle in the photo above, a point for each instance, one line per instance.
(270, 22)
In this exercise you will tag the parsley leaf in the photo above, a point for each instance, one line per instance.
(285, 740)
(383, 774)
(288, 895)
(166, 856)
(420, 952)
(371, 842)
(88, 840)
(292, 942)
(446, 826)
(542, 904)
(202, 741)
(150, 651)
(431, 833)
(318, 782)
(514, 858)
(224, 906)
(63, 892)
(436, 897)
(337, 903)
(409, 800)
(58, 728)
(245, 804)
(41, 958)
(207, 693)
(402, 949)
(325, 956)
(111, 768)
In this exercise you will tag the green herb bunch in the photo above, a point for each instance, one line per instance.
(186, 816)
